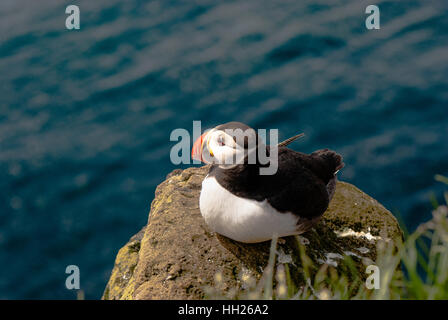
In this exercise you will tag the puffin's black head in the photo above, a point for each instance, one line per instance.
(227, 145)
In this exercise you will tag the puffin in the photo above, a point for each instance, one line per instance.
(240, 203)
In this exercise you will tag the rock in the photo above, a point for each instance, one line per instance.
(176, 256)
(119, 285)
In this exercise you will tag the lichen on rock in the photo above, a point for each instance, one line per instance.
(176, 256)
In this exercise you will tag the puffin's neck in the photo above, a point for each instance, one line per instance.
(240, 180)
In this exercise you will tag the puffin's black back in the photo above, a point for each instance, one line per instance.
(299, 186)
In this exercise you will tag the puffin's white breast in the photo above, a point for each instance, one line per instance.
(242, 219)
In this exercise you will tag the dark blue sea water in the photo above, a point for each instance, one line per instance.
(85, 116)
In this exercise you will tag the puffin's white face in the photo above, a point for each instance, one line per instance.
(226, 148)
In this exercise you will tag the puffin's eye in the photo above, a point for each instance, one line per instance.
(221, 141)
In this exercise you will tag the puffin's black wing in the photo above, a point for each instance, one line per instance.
(299, 186)
(303, 184)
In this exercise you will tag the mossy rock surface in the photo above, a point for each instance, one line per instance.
(176, 256)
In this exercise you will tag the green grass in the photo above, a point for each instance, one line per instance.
(417, 269)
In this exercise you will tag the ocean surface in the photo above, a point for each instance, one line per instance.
(86, 115)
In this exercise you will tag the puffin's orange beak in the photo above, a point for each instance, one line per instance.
(196, 151)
